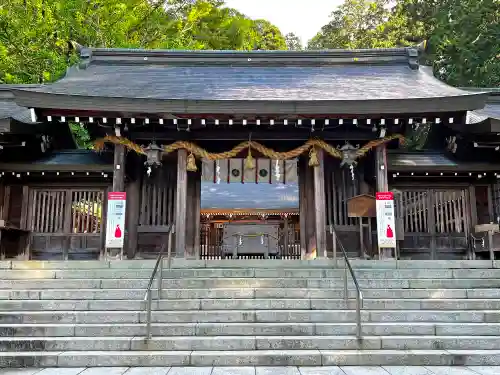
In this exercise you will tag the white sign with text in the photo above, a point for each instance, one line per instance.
(386, 222)
(115, 223)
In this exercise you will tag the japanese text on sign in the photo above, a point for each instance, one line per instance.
(115, 223)
(386, 222)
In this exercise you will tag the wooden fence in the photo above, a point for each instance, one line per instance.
(436, 222)
(211, 242)
(66, 223)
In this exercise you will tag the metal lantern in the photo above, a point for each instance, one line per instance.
(153, 155)
(349, 155)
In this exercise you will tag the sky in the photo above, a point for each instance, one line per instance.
(237, 195)
(302, 17)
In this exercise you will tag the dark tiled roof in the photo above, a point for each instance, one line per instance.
(395, 80)
(259, 76)
(65, 160)
(8, 108)
(432, 161)
(76, 157)
(490, 111)
(419, 160)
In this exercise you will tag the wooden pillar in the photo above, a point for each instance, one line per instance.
(309, 203)
(197, 215)
(431, 221)
(319, 205)
(286, 232)
(118, 183)
(192, 178)
(119, 168)
(302, 207)
(382, 184)
(381, 168)
(133, 213)
(180, 204)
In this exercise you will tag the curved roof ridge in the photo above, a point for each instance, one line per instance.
(406, 55)
(135, 51)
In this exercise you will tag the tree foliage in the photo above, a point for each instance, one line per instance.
(356, 24)
(463, 35)
(293, 42)
(34, 34)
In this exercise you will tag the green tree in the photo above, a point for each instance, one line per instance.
(34, 34)
(268, 36)
(358, 24)
(293, 42)
(463, 35)
(464, 38)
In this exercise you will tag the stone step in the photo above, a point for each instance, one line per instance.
(252, 273)
(250, 304)
(275, 283)
(361, 274)
(240, 343)
(262, 316)
(253, 263)
(238, 293)
(251, 358)
(249, 329)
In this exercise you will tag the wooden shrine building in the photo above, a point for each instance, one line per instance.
(338, 124)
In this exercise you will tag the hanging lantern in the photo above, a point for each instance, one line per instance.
(349, 155)
(153, 155)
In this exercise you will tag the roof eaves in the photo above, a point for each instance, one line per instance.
(466, 102)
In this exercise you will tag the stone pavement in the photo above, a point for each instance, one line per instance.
(344, 370)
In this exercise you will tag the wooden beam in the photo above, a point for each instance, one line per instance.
(180, 204)
(284, 133)
(119, 168)
(319, 205)
(30, 167)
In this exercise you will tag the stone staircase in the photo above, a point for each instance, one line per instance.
(251, 312)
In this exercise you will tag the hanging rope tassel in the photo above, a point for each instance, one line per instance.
(249, 161)
(313, 158)
(191, 163)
